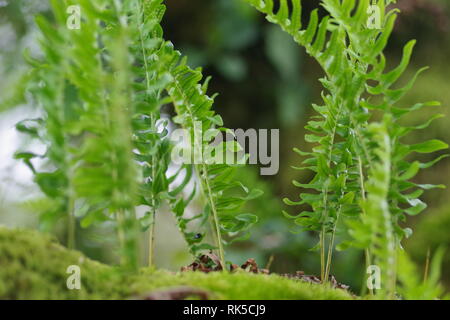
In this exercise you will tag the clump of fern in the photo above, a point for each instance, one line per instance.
(101, 89)
(362, 179)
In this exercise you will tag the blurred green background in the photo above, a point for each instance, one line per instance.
(265, 81)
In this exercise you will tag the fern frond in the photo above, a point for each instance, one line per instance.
(195, 113)
(105, 172)
(47, 84)
(375, 229)
(152, 147)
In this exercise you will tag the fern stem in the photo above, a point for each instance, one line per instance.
(363, 197)
(69, 196)
(71, 226)
(322, 255)
(361, 181)
(215, 227)
(331, 247)
(427, 267)
(71, 209)
(121, 233)
(151, 240)
(205, 182)
(216, 219)
(213, 231)
(368, 264)
(323, 266)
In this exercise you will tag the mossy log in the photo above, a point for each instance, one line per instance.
(34, 266)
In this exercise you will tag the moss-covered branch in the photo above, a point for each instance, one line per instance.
(33, 266)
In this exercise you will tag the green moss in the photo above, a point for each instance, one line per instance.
(33, 266)
(241, 286)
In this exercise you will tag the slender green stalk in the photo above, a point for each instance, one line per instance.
(331, 247)
(326, 263)
(206, 188)
(216, 220)
(363, 197)
(121, 231)
(71, 226)
(322, 255)
(151, 241)
(427, 266)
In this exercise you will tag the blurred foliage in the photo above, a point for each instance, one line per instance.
(416, 285)
(252, 63)
(432, 232)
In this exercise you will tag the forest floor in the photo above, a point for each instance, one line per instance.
(34, 266)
